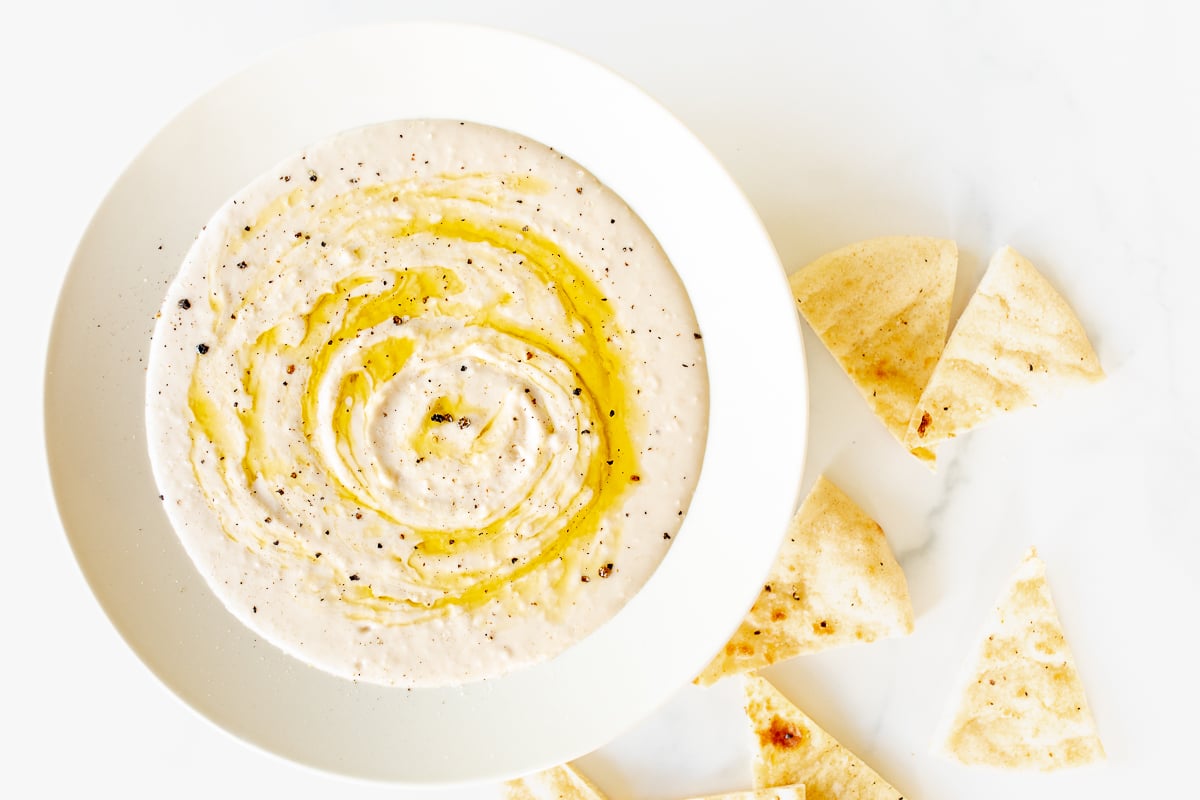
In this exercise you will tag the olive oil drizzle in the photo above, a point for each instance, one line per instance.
(382, 304)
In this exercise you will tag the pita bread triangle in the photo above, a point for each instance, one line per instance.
(791, 748)
(882, 307)
(793, 792)
(1016, 344)
(557, 783)
(1024, 706)
(834, 582)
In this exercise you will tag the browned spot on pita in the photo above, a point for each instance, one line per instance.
(780, 734)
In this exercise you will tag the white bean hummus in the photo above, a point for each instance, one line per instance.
(426, 403)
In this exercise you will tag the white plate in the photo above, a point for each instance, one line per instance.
(530, 719)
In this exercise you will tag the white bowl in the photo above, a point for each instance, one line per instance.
(757, 428)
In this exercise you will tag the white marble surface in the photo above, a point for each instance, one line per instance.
(1068, 133)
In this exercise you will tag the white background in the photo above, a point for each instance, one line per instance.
(1068, 131)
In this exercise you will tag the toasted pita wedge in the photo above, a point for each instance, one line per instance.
(1024, 706)
(793, 749)
(882, 307)
(793, 792)
(1016, 344)
(557, 783)
(835, 582)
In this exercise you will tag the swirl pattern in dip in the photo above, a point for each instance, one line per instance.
(426, 403)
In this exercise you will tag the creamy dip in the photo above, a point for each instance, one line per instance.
(426, 403)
